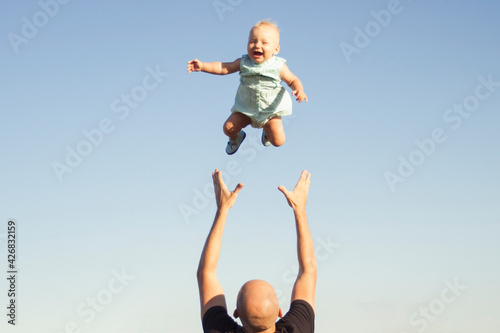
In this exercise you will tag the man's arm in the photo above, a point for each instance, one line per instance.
(219, 68)
(211, 292)
(305, 285)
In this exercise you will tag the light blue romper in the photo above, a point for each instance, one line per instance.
(260, 95)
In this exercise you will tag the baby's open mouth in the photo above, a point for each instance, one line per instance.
(257, 53)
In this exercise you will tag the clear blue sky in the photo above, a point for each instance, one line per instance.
(400, 134)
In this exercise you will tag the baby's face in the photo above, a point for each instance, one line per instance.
(263, 43)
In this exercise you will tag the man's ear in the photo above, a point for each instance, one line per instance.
(236, 314)
(280, 313)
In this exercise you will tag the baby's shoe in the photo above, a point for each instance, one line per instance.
(232, 146)
(265, 140)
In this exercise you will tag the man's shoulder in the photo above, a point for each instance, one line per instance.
(300, 306)
(216, 318)
(300, 318)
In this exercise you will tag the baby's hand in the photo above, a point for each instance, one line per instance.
(300, 95)
(194, 66)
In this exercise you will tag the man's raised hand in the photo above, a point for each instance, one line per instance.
(297, 198)
(224, 197)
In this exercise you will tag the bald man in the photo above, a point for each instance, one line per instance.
(257, 305)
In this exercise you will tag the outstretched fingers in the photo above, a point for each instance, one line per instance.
(305, 179)
(218, 181)
(237, 188)
(297, 198)
(224, 197)
(286, 193)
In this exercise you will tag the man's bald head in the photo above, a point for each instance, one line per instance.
(257, 305)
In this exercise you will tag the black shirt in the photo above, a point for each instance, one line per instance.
(299, 319)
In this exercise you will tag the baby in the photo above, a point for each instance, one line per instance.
(261, 100)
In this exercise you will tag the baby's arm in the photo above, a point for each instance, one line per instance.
(294, 83)
(219, 68)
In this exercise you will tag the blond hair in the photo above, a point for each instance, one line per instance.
(269, 24)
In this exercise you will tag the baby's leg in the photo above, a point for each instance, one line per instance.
(275, 132)
(235, 123)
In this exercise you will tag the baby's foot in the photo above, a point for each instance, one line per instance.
(232, 146)
(264, 139)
